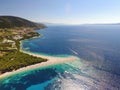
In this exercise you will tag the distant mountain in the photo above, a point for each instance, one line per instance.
(103, 24)
(53, 24)
(12, 22)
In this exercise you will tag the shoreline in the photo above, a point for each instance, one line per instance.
(51, 60)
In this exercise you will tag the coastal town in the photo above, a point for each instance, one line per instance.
(11, 35)
(9, 38)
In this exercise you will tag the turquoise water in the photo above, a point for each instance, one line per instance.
(97, 46)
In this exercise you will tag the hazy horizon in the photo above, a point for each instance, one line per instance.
(64, 11)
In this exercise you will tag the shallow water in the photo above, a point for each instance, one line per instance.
(97, 46)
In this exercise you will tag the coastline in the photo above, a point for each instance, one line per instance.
(51, 60)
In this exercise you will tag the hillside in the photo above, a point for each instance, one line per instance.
(12, 31)
(13, 22)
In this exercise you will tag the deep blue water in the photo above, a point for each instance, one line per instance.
(97, 46)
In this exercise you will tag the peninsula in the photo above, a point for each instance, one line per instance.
(12, 59)
(12, 31)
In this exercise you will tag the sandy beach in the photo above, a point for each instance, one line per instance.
(51, 61)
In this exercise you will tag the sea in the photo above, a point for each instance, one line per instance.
(98, 67)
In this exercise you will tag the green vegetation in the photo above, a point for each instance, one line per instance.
(14, 60)
(12, 31)
(14, 22)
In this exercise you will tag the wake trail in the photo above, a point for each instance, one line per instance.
(73, 51)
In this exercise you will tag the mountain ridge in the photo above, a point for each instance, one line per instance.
(14, 21)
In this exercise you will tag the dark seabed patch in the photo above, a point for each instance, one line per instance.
(36, 77)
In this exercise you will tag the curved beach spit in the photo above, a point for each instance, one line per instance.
(50, 61)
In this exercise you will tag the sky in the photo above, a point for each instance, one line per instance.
(63, 11)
